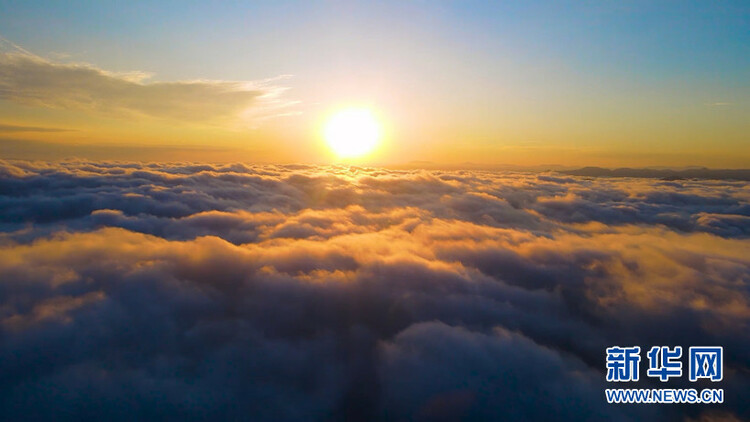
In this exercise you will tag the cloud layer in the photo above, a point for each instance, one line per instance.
(186, 291)
(17, 128)
(29, 79)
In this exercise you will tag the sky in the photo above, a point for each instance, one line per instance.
(523, 83)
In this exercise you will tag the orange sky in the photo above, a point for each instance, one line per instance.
(642, 85)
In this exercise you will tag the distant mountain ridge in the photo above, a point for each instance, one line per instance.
(667, 174)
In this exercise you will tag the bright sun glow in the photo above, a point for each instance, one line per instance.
(352, 132)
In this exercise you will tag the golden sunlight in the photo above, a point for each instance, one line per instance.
(352, 132)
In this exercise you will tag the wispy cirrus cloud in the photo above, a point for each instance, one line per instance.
(20, 128)
(29, 79)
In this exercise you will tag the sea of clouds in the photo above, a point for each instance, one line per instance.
(234, 292)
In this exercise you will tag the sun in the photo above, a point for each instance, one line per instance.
(352, 132)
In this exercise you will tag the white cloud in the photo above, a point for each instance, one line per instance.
(299, 292)
(29, 79)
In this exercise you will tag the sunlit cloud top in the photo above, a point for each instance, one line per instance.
(359, 291)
